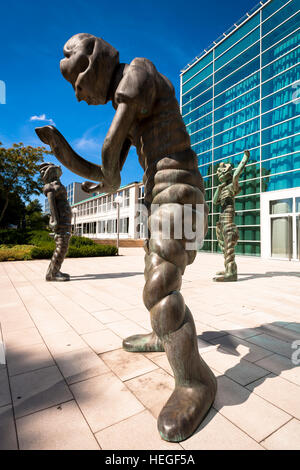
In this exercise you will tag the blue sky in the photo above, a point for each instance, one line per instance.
(168, 32)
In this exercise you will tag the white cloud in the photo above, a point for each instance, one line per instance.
(42, 117)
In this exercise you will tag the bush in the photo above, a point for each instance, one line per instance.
(39, 245)
(15, 253)
(91, 250)
(81, 241)
(44, 251)
(13, 237)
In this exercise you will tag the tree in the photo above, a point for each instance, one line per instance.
(34, 218)
(19, 173)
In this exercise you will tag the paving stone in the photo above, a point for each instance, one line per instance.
(108, 316)
(28, 358)
(5, 397)
(136, 433)
(152, 389)
(103, 341)
(80, 365)
(38, 390)
(282, 366)
(286, 438)
(127, 328)
(239, 347)
(247, 410)
(237, 369)
(127, 365)
(279, 392)
(272, 344)
(60, 427)
(105, 400)
(217, 433)
(8, 438)
(61, 343)
(19, 338)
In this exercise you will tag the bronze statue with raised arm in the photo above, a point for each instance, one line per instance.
(60, 219)
(226, 230)
(148, 117)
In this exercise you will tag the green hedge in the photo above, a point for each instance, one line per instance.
(27, 252)
(16, 253)
(37, 244)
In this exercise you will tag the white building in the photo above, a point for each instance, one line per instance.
(96, 216)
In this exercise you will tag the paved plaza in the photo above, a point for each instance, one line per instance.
(67, 384)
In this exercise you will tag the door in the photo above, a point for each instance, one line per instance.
(281, 237)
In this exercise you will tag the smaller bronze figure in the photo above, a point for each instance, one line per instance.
(60, 219)
(226, 230)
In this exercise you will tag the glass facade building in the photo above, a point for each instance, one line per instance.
(243, 92)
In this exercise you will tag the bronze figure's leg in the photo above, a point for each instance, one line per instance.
(231, 236)
(62, 245)
(220, 238)
(174, 330)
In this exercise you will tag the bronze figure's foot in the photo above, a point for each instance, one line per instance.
(58, 277)
(226, 278)
(220, 273)
(143, 343)
(185, 410)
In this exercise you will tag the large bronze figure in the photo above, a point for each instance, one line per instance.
(60, 219)
(226, 230)
(148, 117)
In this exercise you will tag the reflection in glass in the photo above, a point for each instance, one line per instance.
(281, 206)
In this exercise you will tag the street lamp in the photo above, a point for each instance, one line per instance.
(75, 210)
(118, 200)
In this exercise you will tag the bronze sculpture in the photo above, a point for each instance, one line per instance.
(60, 219)
(148, 117)
(226, 230)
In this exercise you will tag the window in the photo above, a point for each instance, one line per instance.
(284, 181)
(281, 206)
(197, 67)
(239, 89)
(126, 198)
(197, 79)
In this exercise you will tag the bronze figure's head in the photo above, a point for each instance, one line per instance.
(50, 172)
(224, 172)
(89, 65)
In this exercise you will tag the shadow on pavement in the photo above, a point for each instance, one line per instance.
(89, 277)
(248, 276)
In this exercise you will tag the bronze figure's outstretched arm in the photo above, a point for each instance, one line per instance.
(114, 152)
(240, 168)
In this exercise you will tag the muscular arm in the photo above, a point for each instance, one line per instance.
(116, 145)
(240, 168)
(53, 208)
(114, 151)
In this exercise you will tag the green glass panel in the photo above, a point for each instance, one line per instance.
(252, 249)
(250, 187)
(249, 233)
(207, 182)
(285, 181)
(252, 171)
(250, 202)
(247, 218)
(206, 246)
(208, 195)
